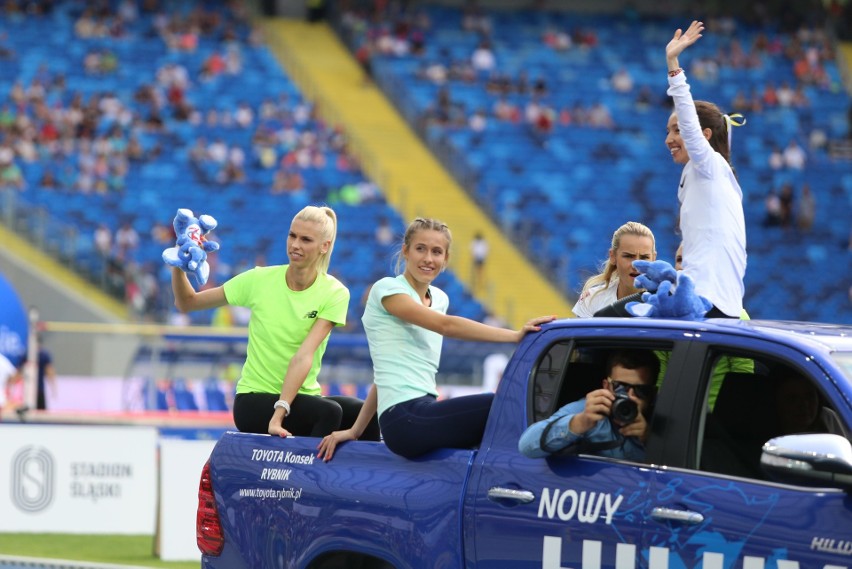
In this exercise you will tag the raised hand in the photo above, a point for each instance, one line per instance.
(681, 41)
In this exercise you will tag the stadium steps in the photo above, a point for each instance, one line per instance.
(41, 266)
(412, 179)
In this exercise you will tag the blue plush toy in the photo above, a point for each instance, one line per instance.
(653, 273)
(673, 293)
(190, 251)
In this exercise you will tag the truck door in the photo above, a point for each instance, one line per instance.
(713, 506)
(557, 512)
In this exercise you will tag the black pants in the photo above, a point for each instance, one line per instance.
(310, 415)
(716, 313)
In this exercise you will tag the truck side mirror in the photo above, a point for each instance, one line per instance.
(809, 459)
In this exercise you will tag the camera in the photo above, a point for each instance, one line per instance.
(624, 410)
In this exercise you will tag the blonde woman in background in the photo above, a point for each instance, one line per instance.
(630, 242)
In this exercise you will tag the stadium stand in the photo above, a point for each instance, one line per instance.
(104, 116)
(542, 126)
(188, 101)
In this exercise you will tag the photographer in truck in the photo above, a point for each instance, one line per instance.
(610, 421)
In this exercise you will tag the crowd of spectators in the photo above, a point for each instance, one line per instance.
(391, 30)
(58, 137)
(768, 62)
(91, 143)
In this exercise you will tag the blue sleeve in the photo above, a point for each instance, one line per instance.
(633, 449)
(559, 436)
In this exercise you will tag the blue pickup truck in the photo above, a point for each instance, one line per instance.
(726, 483)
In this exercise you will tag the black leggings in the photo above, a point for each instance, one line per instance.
(310, 415)
(716, 313)
(424, 424)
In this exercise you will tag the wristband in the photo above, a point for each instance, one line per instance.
(283, 405)
(675, 72)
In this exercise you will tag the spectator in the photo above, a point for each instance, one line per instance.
(162, 234)
(770, 95)
(217, 151)
(797, 405)
(806, 211)
(776, 158)
(478, 121)
(588, 424)
(787, 200)
(794, 156)
(126, 241)
(644, 98)
(483, 60)
(45, 378)
(600, 117)
(622, 81)
(479, 254)
(103, 241)
(10, 173)
(557, 40)
(384, 233)
(786, 95)
(287, 180)
(772, 208)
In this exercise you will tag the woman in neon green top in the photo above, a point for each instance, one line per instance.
(294, 307)
(406, 320)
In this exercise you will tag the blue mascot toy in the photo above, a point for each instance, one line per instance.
(653, 273)
(190, 251)
(671, 293)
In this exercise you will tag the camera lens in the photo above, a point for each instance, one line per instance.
(624, 410)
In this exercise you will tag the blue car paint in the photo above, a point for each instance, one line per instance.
(587, 512)
(365, 500)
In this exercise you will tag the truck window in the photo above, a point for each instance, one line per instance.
(567, 373)
(548, 378)
(751, 400)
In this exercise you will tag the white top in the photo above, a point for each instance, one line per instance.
(711, 212)
(493, 367)
(7, 371)
(596, 298)
(479, 250)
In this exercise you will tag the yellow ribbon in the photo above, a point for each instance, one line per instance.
(733, 120)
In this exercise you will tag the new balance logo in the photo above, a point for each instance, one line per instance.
(311, 314)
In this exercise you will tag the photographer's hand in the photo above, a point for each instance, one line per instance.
(638, 428)
(598, 405)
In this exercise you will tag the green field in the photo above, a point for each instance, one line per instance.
(114, 549)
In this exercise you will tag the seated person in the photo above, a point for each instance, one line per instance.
(798, 409)
(589, 422)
